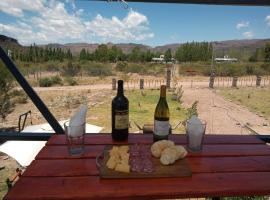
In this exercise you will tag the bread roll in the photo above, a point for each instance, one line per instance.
(159, 146)
(180, 152)
(168, 156)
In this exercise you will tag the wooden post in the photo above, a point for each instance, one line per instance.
(168, 77)
(234, 81)
(258, 81)
(211, 81)
(113, 84)
(141, 84)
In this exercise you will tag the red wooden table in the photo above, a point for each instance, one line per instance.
(228, 166)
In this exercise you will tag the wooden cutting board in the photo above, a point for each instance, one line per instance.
(179, 169)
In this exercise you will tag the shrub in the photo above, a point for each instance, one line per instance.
(134, 68)
(266, 67)
(70, 69)
(121, 66)
(97, 69)
(71, 81)
(45, 82)
(19, 96)
(6, 85)
(56, 80)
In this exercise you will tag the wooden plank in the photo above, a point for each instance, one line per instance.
(91, 187)
(91, 151)
(229, 164)
(87, 167)
(61, 152)
(179, 139)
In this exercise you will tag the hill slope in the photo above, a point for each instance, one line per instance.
(247, 46)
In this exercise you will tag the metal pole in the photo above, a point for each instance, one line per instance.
(31, 93)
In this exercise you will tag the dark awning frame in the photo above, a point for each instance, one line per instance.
(213, 2)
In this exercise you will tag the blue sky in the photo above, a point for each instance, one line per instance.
(52, 21)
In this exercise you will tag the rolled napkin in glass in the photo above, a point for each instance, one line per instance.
(195, 132)
(75, 132)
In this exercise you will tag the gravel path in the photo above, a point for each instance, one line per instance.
(222, 116)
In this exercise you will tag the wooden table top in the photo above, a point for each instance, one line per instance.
(229, 165)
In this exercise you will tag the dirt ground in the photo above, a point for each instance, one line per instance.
(222, 116)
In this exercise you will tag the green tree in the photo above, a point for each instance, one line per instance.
(113, 54)
(168, 56)
(83, 54)
(6, 85)
(70, 69)
(135, 54)
(101, 53)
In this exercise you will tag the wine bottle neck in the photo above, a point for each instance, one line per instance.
(163, 91)
(120, 90)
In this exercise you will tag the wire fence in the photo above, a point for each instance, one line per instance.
(154, 83)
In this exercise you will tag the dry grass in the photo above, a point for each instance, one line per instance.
(257, 100)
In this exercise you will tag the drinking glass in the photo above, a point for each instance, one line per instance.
(75, 138)
(195, 134)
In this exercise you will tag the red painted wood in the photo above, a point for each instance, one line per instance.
(87, 167)
(91, 151)
(180, 139)
(61, 152)
(91, 187)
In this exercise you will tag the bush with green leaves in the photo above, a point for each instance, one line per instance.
(71, 69)
(56, 80)
(121, 66)
(45, 82)
(71, 81)
(6, 85)
(98, 69)
(18, 96)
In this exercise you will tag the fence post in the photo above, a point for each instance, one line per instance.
(234, 81)
(211, 81)
(168, 82)
(258, 81)
(141, 84)
(113, 84)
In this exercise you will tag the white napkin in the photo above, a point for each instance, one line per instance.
(195, 125)
(79, 117)
(195, 130)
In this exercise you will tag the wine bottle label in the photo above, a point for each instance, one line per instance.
(161, 127)
(121, 119)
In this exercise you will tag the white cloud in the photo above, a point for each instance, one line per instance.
(248, 34)
(242, 25)
(133, 27)
(16, 7)
(267, 19)
(51, 22)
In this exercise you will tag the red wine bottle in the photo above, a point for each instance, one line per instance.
(120, 119)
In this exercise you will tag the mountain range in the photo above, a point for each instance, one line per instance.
(248, 46)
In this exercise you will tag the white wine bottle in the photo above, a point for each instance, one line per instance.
(162, 116)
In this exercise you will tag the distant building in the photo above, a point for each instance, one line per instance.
(162, 60)
(159, 60)
(226, 58)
